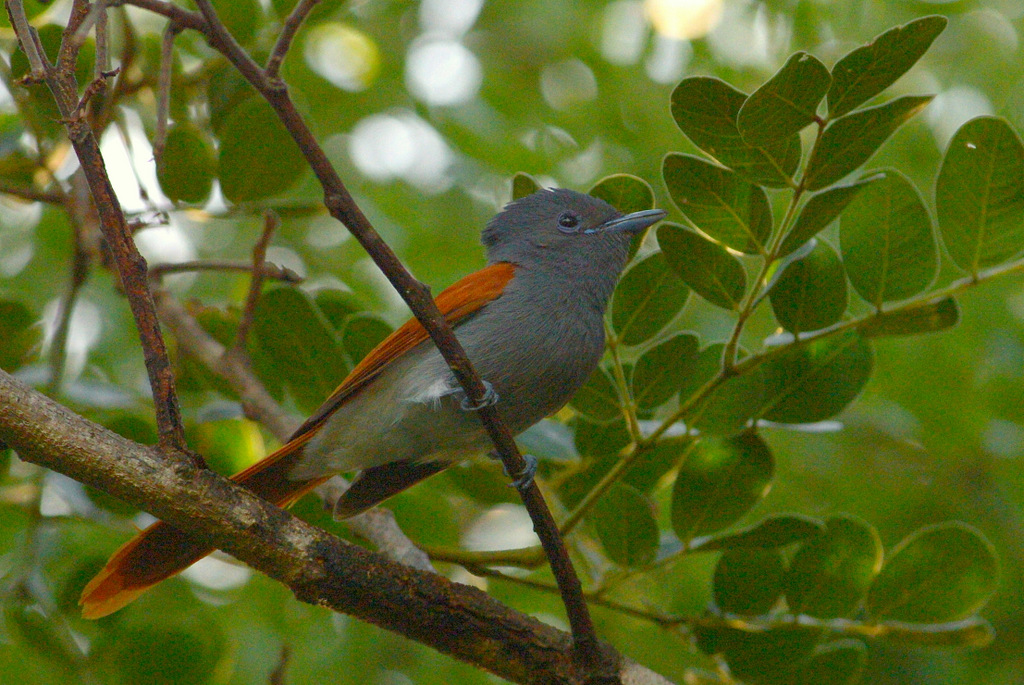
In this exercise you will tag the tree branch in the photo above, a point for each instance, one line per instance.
(456, 619)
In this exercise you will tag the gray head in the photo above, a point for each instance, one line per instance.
(565, 231)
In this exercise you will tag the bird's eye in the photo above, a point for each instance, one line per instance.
(568, 222)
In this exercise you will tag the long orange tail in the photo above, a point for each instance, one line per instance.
(162, 551)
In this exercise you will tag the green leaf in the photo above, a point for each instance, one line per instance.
(871, 68)
(597, 399)
(186, 168)
(706, 108)
(727, 409)
(887, 241)
(979, 195)
(766, 657)
(600, 439)
(624, 192)
(719, 482)
(362, 333)
(774, 531)
(837, 663)
(290, 330)
(813, 382)
(661, 371)
(830, 574)
(787, 102)
(523, 184)
(927, 318)
(718, 202)
(627, 194)
(940, 573)
(648, 470)
(19, 335)
(748, 581)
(337, 306)
(243, 18)
(811, 292)
(822, 209)
(624, 522)
(706, 267)
(258, 158)
(647, 297)
(850, 141)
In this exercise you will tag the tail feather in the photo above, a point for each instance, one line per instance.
(376, 484)
(162, 551)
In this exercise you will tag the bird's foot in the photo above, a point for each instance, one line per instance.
(490, 397)
(524, 478)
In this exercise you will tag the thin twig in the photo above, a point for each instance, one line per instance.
(102, 44)
(163, 89)
(287, 35)
(131, 266)
(343, 207)
(29, 193)
(271, 222)
(36, 58)
(58, 345)
(268, 269)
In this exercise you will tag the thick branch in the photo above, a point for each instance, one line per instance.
(320, 569)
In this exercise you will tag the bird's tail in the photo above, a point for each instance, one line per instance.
(162, 551)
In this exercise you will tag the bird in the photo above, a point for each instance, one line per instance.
(532, 324)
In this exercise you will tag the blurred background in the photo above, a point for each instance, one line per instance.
(428, 109)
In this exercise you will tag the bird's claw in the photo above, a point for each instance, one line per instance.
(490, 397)
(525, 477)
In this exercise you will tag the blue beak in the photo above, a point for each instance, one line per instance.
(631, 223)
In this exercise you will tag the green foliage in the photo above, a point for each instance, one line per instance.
(187, 166)
(648, 296)
(664, 463)
(979, 195)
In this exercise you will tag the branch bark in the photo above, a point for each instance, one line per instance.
(455, 619)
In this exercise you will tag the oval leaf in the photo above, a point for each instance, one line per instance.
(362, 333)
(830, 574)
(718, 202)
(186, 167)
(647, 297)
(941, 573)
(837, 663)
(661, 371)
(628, 194)
(523, 184)
(258, 158)
(887, 241)
(871, 68)
(748, 581)
(597, 399)
(811, 292)
(290, 329)
(850, 141)
(816, 381)
(821, 210)
(706, 267)
(19, 336)
(624, 522)
(787, 102)
(728, 408)
(774, 531)
(927, 318)
(979, 195)
(706, 108)
(719, 482)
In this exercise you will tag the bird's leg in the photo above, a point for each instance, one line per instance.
(524, 477)
(490, 397)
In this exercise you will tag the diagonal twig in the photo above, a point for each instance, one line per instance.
(343, 207)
